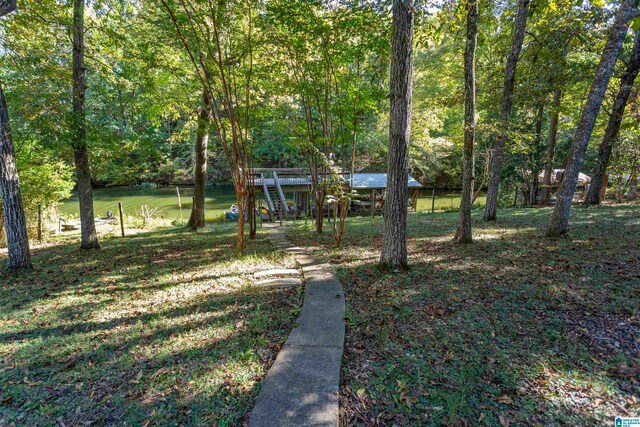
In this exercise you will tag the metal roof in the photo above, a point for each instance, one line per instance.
(362, 181)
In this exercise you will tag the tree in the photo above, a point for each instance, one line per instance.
(218, 39)
(560, 217)
(328, 68)
(497, 159)
(464, 234)
(394, 243)
(200, 173)
(534, 167)
(79, 129)
(14, 220)
(545, 194)
(612, 132)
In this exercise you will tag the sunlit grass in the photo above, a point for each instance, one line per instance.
(161, 327)
(515, 328)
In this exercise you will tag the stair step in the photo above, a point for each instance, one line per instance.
(276, 272)
(278, 283)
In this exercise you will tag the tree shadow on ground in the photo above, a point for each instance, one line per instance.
(515, 327)
(158, 327)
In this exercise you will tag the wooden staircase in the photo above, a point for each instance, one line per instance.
(278, 207)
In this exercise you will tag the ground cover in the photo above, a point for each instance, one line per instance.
(160, 328)
(514, 329)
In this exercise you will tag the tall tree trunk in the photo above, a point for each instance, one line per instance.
(83, 171)
(497, 159)
(464, 234)
(3, 235)
(545, 194)
(355, 134)
(535, 158)
(200, 173)
(14, 221)
(241, 211)
(612, 132)
(560, 217)
(394, 244)
(317, 188)
(251, 204)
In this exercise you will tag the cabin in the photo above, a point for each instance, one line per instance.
(286, 192)
(556, 177)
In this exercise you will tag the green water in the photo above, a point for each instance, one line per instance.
(219, 199)
(165, 199)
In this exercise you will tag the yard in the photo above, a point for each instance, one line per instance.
(161, 328)
(164, 327)
(514, 329)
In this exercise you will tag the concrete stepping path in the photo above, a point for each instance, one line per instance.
(276, 272)
(302, 387)
(278, 283)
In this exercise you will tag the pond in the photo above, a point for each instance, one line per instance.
(219, 199)
(163, 198)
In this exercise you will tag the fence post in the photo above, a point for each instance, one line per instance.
(179, 203)
(40, 223)
(433, 199)
(373, 204)
(121, 218)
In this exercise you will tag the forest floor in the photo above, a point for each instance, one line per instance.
(160, 328)
(516, 328)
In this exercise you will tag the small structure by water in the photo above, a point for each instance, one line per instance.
(287, 192)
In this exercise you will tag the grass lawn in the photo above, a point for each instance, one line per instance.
(515, 329)
(161, 328)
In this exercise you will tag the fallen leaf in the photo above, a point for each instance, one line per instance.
(504, 421)
(505, 399)
(158, 372)
(624, 371)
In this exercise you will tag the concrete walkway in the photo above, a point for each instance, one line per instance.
(302, 386)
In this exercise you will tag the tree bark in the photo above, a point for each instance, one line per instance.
(612, 131)
(251, 205)
(560, 217)
(497, 159)
(83, 171)
(394, 244)
(317, 188)
(464, 234)
(533, 189)
(545, 194)
(200, 173)
(14, 220)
